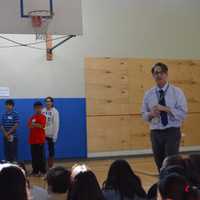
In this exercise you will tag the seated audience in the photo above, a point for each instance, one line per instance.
(152, 192)
(84, 184)
(179, 179)
(190, 164)
(178, 160)
(36, 192)
(122, 183)
(194, 169)
(176, 187)
(172, 169)
(58, 180)
(185, 166)
(13, 184)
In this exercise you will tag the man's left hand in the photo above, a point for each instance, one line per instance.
(162, 108)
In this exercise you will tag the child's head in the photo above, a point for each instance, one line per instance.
(84, 184)
(9, 104)
(38, 107)
(190, 166)
(76, 169)
(178, 160)
(179, 170)
(58, 179)
(13, 184)
(49, 102)
(122, 178)
(176, 187)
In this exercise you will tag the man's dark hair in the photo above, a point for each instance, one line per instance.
(37, 103)
(58, 178)
(10, 102)
(163, 67)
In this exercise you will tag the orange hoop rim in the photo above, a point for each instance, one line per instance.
(45, 14)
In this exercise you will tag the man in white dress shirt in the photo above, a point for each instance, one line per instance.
(164, 108)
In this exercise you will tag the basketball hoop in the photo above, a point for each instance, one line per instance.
(40, 20)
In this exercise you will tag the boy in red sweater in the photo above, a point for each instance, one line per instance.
(37, 139)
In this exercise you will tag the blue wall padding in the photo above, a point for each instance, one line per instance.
(71, 141)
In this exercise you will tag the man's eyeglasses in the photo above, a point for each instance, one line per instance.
(159, 73)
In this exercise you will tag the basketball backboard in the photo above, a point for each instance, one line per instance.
(67, 16)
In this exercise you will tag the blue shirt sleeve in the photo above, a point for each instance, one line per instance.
(1, 119)
(16, 118)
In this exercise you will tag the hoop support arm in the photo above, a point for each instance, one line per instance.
(50, 50)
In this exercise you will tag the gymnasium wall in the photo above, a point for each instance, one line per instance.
(115, 88)
(71, 141)
(112, 28)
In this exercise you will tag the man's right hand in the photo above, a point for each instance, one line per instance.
(154, 113)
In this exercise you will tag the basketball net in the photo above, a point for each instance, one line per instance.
(40, 20)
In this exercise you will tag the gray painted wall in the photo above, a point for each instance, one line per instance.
(115, 28)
